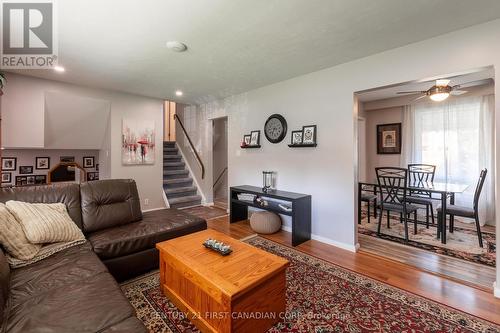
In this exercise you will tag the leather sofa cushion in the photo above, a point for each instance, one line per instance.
(130, 325)
(109, 203)
(4, 284)
(69, 194)
(156, 226)
(68, 292)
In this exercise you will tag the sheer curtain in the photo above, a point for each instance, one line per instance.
(457, 137)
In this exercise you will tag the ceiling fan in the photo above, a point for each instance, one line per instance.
(442, 90)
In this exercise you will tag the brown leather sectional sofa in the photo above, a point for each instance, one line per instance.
(75, 290)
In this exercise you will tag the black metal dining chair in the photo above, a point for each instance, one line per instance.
(369, 196)
(418, 175)
(392, 183)
(473, 213)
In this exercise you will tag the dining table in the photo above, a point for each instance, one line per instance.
(442, 190)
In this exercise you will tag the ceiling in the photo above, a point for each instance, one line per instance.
(473, 78)
(236, 46)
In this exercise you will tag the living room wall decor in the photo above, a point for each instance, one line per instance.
(251, 140)
(138, 142)
(304, 138)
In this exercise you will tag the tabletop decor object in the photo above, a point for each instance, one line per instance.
(217, 246)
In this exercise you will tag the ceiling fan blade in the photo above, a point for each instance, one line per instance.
(410, 92)
(416, 99)
(457, 92)
(473, 83)
(442, 82)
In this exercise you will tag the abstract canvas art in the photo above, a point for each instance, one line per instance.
(138, 142)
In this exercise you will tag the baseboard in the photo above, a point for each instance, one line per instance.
(496, 290)
(344, 246)
(208, 204)
(153, 209)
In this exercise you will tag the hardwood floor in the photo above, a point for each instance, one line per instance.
(437, 288)
(221, 203)
(476, 275)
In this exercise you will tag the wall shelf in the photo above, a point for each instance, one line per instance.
(254, 146)
(304, 145)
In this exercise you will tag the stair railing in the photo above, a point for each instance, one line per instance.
(220, 177)
(192, 146)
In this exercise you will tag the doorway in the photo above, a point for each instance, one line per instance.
(220, 167)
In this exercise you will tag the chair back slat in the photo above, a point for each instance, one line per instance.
(392, 184)
(421, 173)
(479, 188)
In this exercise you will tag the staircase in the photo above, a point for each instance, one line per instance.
(177, 182)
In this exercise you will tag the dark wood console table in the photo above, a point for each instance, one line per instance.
(300, 204)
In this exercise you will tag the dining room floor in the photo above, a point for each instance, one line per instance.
(461, 259)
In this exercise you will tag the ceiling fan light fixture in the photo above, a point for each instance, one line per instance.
(439, 97)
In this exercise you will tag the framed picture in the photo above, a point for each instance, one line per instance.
(42, 163)
(296, 137)
(92, 176)
(30, 180)
(309, 134)
(25, 169)
(389, 138)
(247, 139)
(88, 162)
(9, 163)
(67, 159)
(254, 138)
(21, 181)
(138, 142)
(6, 177)
(40, 179)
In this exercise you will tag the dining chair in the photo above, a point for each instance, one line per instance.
(473, 213)
(392, 183)
(419, 175)
(368, 196)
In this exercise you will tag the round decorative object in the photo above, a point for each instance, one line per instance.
(265, 222)
(275, 128)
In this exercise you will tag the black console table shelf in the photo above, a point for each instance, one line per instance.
(300, 203)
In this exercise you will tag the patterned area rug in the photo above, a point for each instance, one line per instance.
(321, 297)
(462, 243)
(205, 212)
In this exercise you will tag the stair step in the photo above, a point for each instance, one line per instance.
(168, 143)
(174, 174)
(178, 182)
(170, 165)
(181, 200)
(180, 190)
(172, 157)
(170, 149)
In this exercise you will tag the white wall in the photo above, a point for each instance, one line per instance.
(23, 112)
(219, 143)
(325, 98)
(373, 160)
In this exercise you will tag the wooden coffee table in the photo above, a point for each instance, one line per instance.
(241, 292)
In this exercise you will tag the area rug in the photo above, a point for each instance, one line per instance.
(462, 243)
(206, 212)
(321, 297)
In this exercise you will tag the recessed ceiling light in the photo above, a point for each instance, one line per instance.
(59, 69)
(176, 46)
(178, 93)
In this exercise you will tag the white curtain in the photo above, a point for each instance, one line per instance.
(457, 137)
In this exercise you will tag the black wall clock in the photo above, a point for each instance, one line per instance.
(275, 128)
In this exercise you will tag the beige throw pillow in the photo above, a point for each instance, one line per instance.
(45, 223)
(13, 238)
